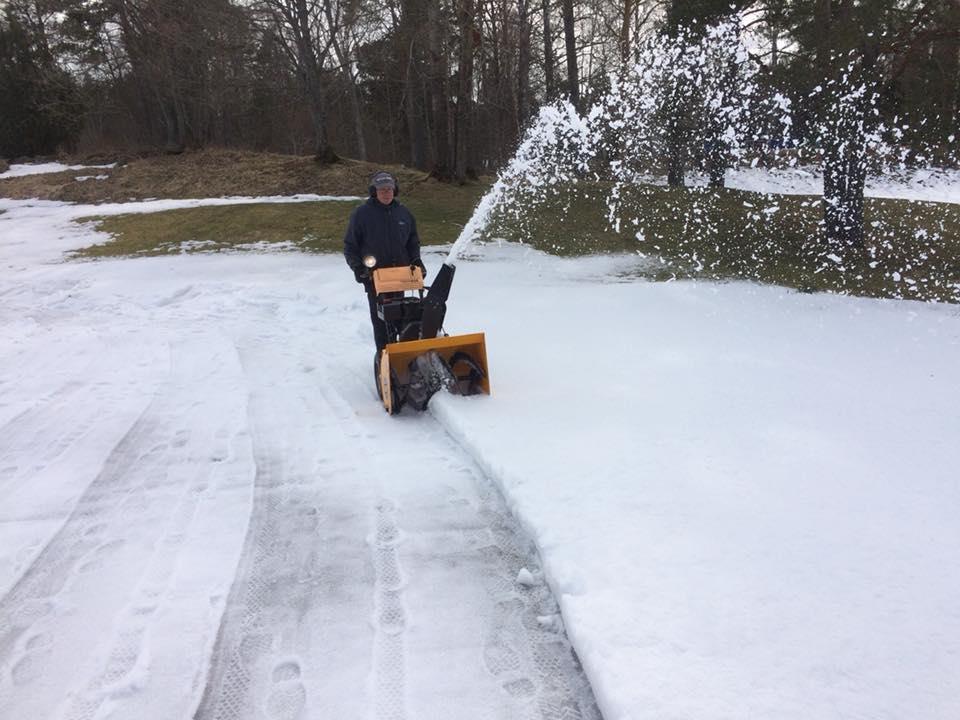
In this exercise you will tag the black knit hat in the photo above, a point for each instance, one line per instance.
(381, 179)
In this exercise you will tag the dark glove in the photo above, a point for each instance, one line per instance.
(423, 268)
(361, 274)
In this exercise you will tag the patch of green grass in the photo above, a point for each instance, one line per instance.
(311, 226)
(912, 249)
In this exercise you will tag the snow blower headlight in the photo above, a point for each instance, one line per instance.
(370, 261)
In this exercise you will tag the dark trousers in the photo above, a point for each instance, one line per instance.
(379, 326)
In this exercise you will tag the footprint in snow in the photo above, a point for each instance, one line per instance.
(95, 529)
(288, 697)
(26, 670)
(36, 650)
(39, 642)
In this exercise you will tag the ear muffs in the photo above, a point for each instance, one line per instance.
(372, 190)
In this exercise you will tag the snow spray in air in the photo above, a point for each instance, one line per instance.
(555, 147)
(734, 118)
(621, 138)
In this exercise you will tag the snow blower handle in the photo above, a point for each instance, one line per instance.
(418, 263)
(435, 304)
(362, 273)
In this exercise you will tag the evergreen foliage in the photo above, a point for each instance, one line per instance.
(40, 108)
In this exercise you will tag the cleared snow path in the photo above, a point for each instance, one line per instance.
(206, 514)
(379, 571)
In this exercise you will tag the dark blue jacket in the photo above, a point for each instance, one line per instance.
(388, 232)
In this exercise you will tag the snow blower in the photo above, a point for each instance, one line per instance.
(420, 358)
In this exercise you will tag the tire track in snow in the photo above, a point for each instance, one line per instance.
(301, 597)
(30, 433)
(468, 527)
(55, 449)
(51, 569)
(391, 618)
(108, 565)
(412, 609)
(81, 403)
(390, 614)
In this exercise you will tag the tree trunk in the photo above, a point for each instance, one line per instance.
(523, 64)
(676, 157)
(951, 71)
(717, 164)
(548, 59)
(465, 90)
(313, 84)
(677, 109)
(628, 6)
(845, 167)
(844, 175)
(357, 119)
(416, 126)
(343, 57)
(440, 95)
(412, 22)
(322, 150)
(677, 136)
(173, 131)
(843, 118)
(570, 37)
(718, 153)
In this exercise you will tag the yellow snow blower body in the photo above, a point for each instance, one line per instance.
(420, 359)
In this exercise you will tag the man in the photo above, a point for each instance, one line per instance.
(384, 228)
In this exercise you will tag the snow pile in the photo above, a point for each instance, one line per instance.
(18, 170)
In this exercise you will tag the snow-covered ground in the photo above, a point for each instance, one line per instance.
(19, 169)
(931, 185)
(742, 498)
(928, 185)
(924, 184)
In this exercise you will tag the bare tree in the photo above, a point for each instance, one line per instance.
(306, 29)
(465, 87)
(343, 47)
(629, 7)
(523, 61)
(570, 39)
(443, 141)
(412, 20)
(548, 58)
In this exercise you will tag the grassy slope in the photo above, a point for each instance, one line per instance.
(697, 233)
(314, 226)
(912, 248)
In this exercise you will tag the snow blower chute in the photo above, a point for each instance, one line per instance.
(420, 358)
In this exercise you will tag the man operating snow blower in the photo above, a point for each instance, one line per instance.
(415, 358)
(384, 229)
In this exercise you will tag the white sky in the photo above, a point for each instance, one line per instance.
(742, 498)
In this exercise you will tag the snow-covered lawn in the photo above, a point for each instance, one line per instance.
(925, 184)
(930, 185)
(744, 498)
(20, 169)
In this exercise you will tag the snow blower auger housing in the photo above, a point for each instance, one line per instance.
(420, 358)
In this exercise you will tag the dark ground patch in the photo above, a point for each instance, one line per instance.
(207, 173)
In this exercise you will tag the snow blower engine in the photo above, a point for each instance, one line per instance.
(420, 358)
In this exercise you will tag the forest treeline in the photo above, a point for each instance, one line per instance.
(446, 86)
